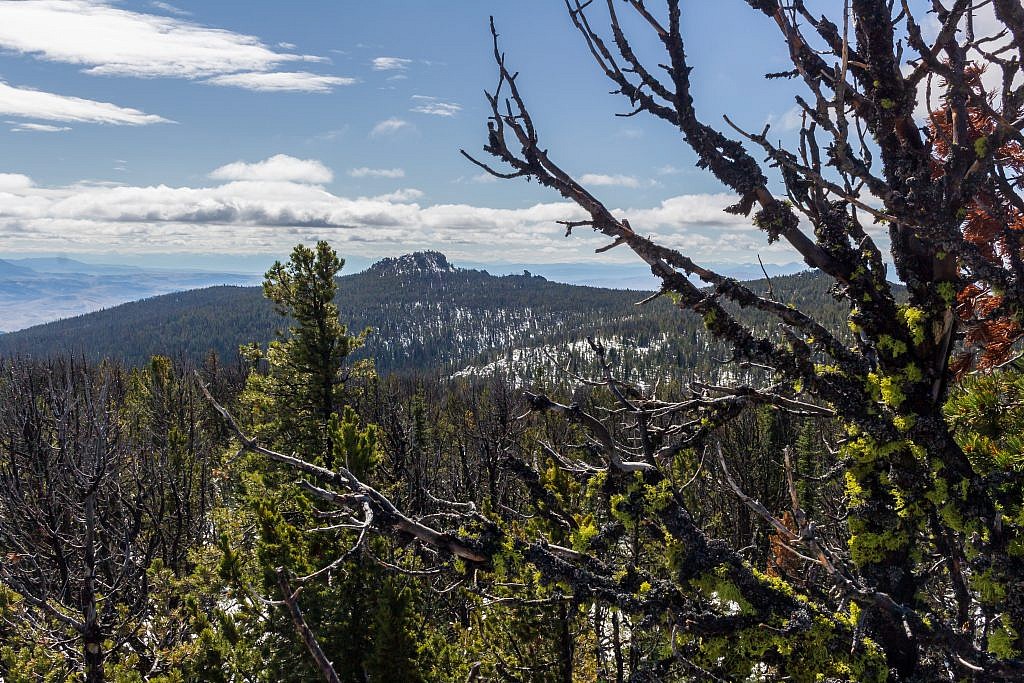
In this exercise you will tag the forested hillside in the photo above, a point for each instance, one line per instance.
(426, 315)
(198, 522)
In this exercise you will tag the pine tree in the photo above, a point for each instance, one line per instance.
(306, 365)
(299, 403)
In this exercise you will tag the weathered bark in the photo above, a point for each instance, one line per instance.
(92, 633)
(290, 599)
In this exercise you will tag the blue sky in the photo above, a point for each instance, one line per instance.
(217, 133)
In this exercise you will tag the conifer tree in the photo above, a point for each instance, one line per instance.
(306, 365)
(298, 401)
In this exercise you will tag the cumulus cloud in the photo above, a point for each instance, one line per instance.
(106, 39)
(37, 104)
(389, 127)
(12, 182)
(365, 172)
(281, 81)
(391, 64)
(693, 209)
(422, 104)
(36, 128)
(278, 168)
(604, 180)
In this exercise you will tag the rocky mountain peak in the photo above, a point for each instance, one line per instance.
(417, 263)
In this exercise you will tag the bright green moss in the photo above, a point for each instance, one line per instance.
(716, 586)
(894, 347)
(821, 369)
(774, 582)
(947, 290)
(903, 423)
(981, 147)
(618, 510)
(867, 547)
(891, 390)
(914, 319)
(820, 652)
(585, 532)
(854, 491)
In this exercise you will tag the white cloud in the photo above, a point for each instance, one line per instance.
(434, 106)
(791, 119)
(389, 127)
(108, 40)
(693, 209)
(13, 182)
(36, 128)
(364, 172)
(169, 8)
(391, 64)
(278, 168)
(604, 180)
(37, 104)
(281, 81)
(669, 169)
(408, 194)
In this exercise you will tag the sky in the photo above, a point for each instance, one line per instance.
(220, 134)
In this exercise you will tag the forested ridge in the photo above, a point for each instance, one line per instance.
(425, 316)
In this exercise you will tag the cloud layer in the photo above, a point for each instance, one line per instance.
(272, 204)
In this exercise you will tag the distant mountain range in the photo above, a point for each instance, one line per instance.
(37, 290)
(426, 315)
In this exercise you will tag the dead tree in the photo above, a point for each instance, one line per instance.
(862, 159)
(73, 511)
(928, 584)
